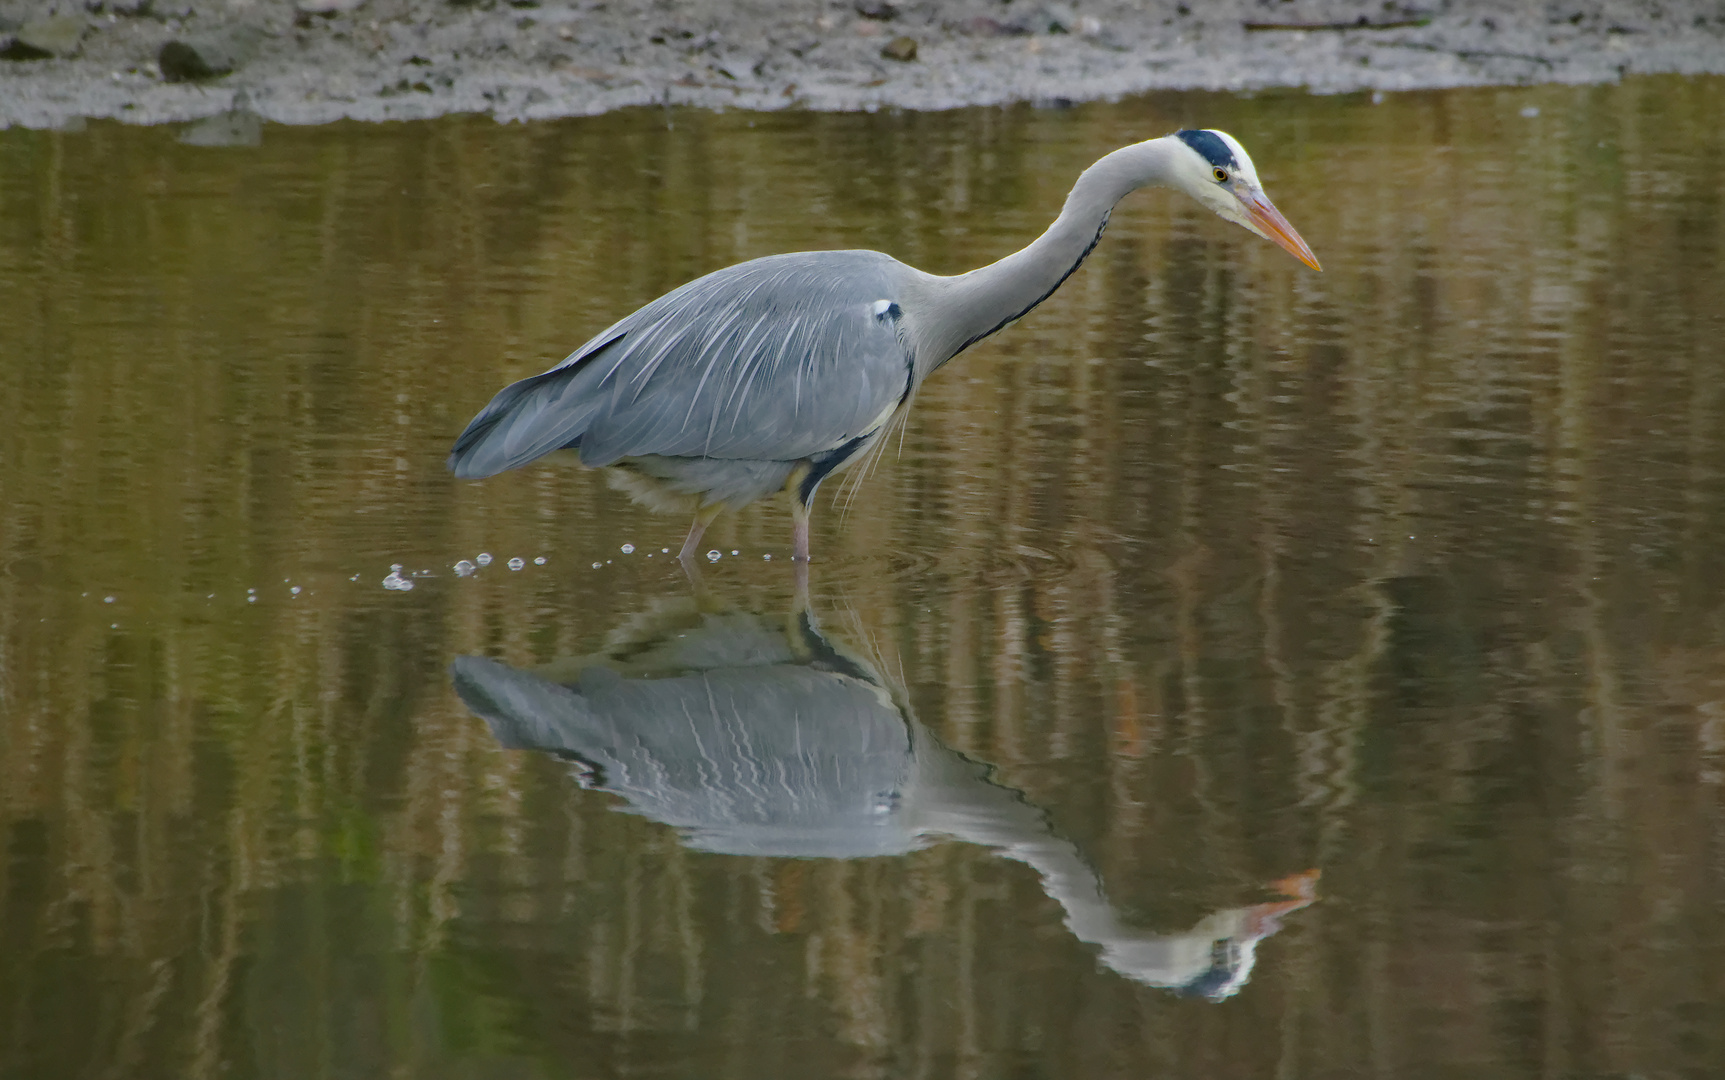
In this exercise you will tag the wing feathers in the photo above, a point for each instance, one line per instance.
(774, 359)
(526, 420)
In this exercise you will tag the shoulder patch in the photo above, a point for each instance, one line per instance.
(1209, 147)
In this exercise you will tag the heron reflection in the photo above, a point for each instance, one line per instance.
(761, 736)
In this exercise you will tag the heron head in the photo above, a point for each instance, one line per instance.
(1231, 962)
(1217, 171)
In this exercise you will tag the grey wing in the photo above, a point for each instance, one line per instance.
(771, 760)
(775, 359)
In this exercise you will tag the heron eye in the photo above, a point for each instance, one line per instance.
(1220, 174)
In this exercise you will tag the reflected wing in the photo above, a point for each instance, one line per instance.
(779, 760)
(775, 359)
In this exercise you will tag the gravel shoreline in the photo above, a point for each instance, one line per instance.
(316, 61)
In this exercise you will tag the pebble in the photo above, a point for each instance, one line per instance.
(1053, 19)
(41, 39)
(206, 56)
(901, 48)
(983, 26)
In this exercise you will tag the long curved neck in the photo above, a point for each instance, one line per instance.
(956, 799)
(958, 311)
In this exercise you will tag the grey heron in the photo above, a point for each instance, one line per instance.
(775, 373)
(763, 737)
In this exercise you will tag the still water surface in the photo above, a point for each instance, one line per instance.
(1236, 672)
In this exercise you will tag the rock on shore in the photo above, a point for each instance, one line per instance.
(149, 61)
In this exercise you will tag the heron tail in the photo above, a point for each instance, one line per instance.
(529, 419)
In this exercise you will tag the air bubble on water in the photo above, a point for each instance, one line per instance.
(107, 599)
(1530, 112)
(483, 558)
(395, 581)
(251, 599)
(517, 563)
(597, 565)
(714, 556)
(664, 551)
(294, 591)
(628, 549)
(465, 569)
(767, 558)
(538, 560)
(734, 551)
(354, 578)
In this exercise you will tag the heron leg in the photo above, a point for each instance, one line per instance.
(799, 531)
(800, 584)
(800, 500)
(703, 518)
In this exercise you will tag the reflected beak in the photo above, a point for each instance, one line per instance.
(1269, 221)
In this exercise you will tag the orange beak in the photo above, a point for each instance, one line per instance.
(1265, 216)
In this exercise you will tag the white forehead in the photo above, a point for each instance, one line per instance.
(1243, 166)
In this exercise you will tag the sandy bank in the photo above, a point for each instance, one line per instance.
(322, 60)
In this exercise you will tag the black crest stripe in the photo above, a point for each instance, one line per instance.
(1210, 146)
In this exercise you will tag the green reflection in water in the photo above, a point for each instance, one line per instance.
(1406, 571)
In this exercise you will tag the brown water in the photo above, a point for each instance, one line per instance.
(1407, 573)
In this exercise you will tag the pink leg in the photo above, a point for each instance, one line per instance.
(703, 517)
(800, 582)
(799, 532)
